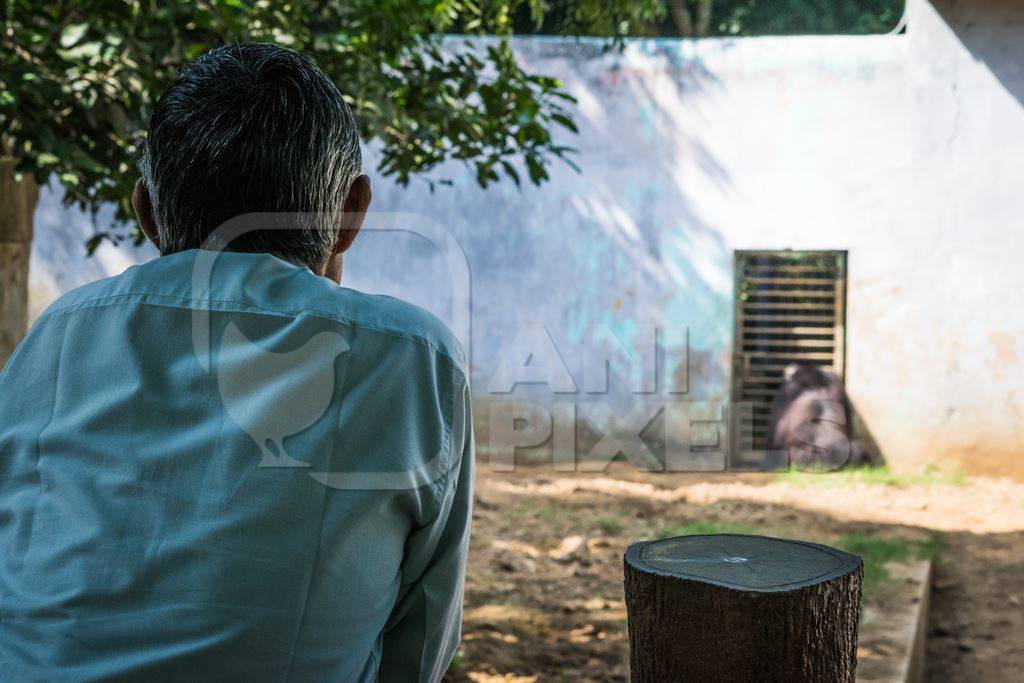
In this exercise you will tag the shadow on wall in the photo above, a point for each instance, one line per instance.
(991, 30)
(599, 259)
(862, 434)
(675, 264)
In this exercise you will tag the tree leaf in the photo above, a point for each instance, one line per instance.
(72, 33)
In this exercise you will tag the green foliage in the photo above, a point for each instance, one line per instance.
(772, 17)
(615, 18)
(78, 81)
(622, 18)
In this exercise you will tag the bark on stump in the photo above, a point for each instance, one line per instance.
(17, 205)
(727, 607)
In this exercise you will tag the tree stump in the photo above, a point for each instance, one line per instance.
(728, 607)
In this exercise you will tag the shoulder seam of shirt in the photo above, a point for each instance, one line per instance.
(252, 308)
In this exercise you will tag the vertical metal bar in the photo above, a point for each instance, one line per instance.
(738, 371)
(839, 325)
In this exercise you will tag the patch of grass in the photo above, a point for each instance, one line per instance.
(456, 665)
(706, 527)
(880, 476)
(877, 550)
(550, 514)
(609, 525)
(546, 513)
(929, 550)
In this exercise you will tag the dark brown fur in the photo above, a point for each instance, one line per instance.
(811, 421)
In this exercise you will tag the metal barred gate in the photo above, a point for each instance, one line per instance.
(790, 307)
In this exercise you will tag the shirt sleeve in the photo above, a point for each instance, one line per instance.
(425, 626)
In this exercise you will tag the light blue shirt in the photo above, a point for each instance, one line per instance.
(224, 467)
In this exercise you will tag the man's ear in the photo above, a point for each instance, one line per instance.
(143, 205)
(356, 204)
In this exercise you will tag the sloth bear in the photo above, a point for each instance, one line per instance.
(811, 421)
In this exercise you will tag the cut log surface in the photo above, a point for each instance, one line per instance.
(728, 607)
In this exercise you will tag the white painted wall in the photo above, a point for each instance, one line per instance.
(906, 150)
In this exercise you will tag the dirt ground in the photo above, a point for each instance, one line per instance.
(544, 584)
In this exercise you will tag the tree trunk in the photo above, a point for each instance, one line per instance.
(703, 23)
(727, 607)
(681, 17)
(17, 205)
(690, 23)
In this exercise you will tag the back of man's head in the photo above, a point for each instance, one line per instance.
(245, 129)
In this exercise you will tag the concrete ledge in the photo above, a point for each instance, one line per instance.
(893, 629)
(912, 667)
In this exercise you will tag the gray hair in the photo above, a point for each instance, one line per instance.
(245, 129)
